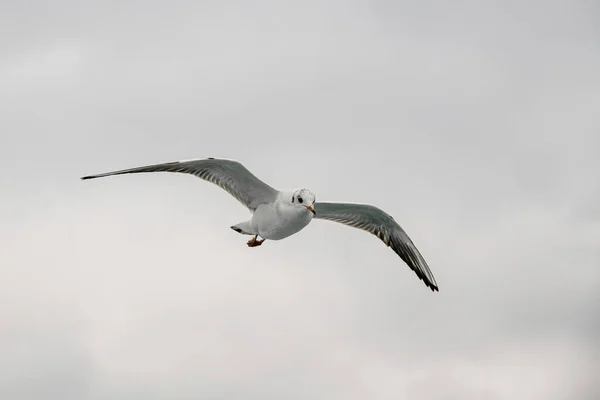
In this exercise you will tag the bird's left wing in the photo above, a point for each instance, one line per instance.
(373, 220)
(229, 175)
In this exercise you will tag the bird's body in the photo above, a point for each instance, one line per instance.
(277, 214)
(278, 220)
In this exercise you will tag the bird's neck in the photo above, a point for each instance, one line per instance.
(286, 209)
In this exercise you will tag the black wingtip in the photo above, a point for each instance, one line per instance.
(83, 178)
(431, 285)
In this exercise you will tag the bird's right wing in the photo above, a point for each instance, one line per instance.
(230, 175)
(373, 220)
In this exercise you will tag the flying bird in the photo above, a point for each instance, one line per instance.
(279, 214)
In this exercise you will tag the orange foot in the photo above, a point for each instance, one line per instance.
(254, 242)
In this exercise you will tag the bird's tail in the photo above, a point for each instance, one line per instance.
(244, 228)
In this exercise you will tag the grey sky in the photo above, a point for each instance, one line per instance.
(475, 124)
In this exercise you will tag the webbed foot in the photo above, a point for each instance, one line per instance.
(254, 242)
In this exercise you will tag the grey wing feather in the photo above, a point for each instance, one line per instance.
(230, 175)
(371, 219)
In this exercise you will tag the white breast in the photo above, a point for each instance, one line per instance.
(278, 220)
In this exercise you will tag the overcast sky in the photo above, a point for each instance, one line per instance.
(475, 124)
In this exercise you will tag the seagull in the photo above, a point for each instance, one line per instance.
(279, 214)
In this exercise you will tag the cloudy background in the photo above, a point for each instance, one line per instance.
(475, 124)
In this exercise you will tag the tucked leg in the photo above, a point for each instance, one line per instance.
(254, 242)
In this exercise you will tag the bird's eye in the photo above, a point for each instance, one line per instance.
(300, 199)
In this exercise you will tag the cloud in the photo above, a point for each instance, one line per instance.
(473, 126)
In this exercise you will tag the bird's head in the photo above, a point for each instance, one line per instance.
(304, 198)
